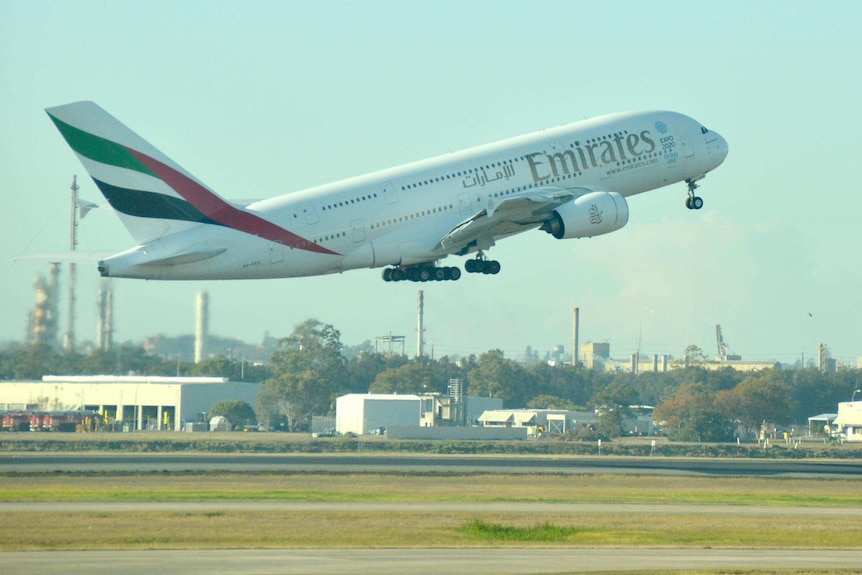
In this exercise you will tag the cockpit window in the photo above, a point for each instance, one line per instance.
(703, 130)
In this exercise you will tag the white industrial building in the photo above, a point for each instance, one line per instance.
(849, 420)
(443, 410)
(360, 413)
(132, 402)
(537, 421)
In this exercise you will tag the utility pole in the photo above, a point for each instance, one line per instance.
(69, 340)
(420, 328)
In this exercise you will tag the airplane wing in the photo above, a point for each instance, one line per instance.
(506, 217)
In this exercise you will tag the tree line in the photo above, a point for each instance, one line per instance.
(310, 368)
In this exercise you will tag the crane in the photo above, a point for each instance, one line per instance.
(722, 347)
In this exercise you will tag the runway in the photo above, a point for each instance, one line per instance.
(27, 462)
(484, 561)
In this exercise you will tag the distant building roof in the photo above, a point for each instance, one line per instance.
(380, 396)
(823, 417)
(129, 379)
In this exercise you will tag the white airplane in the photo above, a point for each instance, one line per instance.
(570, 182)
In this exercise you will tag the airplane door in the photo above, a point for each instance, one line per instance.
(687, 148)
(310, 214)
(389, 193)
(464, 204)
(358, 231)
(276, 253)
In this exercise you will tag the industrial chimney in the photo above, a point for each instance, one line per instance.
(202, 325)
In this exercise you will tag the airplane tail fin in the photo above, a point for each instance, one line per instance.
(153, 195)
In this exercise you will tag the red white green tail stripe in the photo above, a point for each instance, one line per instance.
(154, 196)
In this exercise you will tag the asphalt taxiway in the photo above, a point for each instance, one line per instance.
(29, 462)
(483, 561)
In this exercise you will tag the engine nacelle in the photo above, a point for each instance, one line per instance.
(590, 215)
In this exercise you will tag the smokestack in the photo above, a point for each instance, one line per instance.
(420, 329)
(576, 328)
(104, 325)
(202, 327)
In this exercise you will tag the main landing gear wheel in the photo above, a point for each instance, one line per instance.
(693, 202)
(421, 274)
(482, 266)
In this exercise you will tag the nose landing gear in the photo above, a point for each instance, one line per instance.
(693, 202)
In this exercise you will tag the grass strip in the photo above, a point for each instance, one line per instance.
(370, 529)
(429, 488)
(243, 528)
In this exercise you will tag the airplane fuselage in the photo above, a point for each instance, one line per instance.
(455, 204)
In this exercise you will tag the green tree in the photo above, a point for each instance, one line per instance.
(694, 355)
(308, 374)
(551, 402)
(218, 366)
(690, 415)
(612, 404)
(760, 398)
(414, 377)
(563, 381)
(362, 369)
(31, 362)
(496, 376)
(703, 424)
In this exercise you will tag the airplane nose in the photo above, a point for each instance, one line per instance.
(722, 146)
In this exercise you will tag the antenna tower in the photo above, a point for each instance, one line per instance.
(69, 339)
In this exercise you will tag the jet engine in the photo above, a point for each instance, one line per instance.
(589, 215)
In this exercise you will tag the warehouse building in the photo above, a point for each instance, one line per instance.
(128, 403)
(362, 413)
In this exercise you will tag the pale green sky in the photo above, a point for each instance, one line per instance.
(262, 98)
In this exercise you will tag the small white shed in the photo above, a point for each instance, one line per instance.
(220, 423)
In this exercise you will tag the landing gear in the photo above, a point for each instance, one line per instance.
(431, 273)
(693, 202)
(421, 273)
(482, 266)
